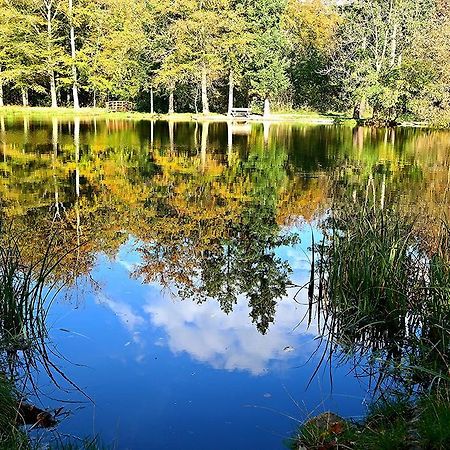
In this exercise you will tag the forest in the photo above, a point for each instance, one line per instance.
(386, 60)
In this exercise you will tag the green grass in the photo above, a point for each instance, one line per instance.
(390, 424)
(101, 113)
(434, 422)
(381, 294)
(11, 437)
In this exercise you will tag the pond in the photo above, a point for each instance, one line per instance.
(184, 318)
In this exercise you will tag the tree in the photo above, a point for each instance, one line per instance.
(427, 69)
(23, 43)
(267, 69)
(76, 102)
(373, 39)
(310, 27)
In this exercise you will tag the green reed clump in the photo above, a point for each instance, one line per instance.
(384, 292)
(368, 263)
(26, 294)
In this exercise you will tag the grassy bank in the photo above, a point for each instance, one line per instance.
(390, 424)
(101, 113)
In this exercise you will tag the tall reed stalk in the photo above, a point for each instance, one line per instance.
(383, 295)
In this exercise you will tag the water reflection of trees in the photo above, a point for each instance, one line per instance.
(226, 253)
(241, 261)
(209, 216)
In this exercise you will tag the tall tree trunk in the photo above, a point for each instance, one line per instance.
(359, 109)
(76, 103)
(152, 109)
(230, 92)
(266, 108)
(1, 90)
(205, 104)
(171, 102)
(25, 97)
(51, 72)
(53, 89)
(394, 44)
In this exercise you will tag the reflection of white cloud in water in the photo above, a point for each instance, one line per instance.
(123, 311)
(231, 342)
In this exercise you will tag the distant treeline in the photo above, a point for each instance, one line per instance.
(382, 59)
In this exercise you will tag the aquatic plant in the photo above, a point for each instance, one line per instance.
(382, 295)
(26, 294)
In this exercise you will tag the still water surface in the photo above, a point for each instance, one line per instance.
(182, 318)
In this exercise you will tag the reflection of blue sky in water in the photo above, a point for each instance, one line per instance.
(229, 342)
(169, 374)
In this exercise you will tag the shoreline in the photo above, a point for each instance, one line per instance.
(311, 118)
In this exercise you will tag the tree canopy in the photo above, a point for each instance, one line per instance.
(383, 59)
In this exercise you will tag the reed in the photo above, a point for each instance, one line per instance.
(382, 294)
(26, 295)
(27, 291)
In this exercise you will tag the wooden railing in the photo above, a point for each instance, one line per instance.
(120, 105)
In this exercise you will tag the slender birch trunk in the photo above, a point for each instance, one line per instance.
(394, 44)
(266, 108)
(152, 109)
(205, 104)
(76, 103)
(51, 72)
(25, 97)
(230, 92)
(53, 89)
(171, 100)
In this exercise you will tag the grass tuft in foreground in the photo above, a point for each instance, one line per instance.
(391, 424)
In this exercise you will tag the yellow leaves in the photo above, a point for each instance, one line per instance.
(310, 23)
